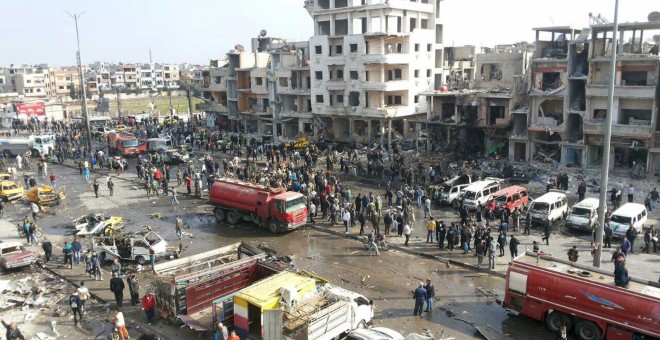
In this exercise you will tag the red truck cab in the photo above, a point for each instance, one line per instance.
(583, 298)
(125, 144)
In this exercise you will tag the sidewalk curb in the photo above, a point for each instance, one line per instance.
(414, 252)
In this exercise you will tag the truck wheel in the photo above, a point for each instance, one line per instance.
(139, 260)
(219, 214)
(232, 217)
(555, 320)
(273, 227)
(587, 330)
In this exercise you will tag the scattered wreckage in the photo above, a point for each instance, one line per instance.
(97, 224)
(132, 247)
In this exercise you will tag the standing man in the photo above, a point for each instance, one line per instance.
(420, 298)
(48, 249)
(83, 293)
(491, 254)
(35, 210)
(609, 233)
(13, 333)
(111, 186)
(134, 289)
(76, 307)
(149, 306)
(77, 248)
(117, 287)
(95, 266)
(573, 254)
(630, 191)
(178, 225)
(582, 189)
(371, 241)
(430, 230)
(513, 246)
(654, 197)
(546, 232)
(631, 234)
(430, 294)
(515, 219)
(95, 185)
(479, 249)
(152, 259)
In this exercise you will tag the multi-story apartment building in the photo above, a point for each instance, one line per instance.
(570, 74)
(3, 81)
(192, 75)
(131, 76)
(458, 66)
(474, 115)
(31, 81)
(171, 76)
(63, 82)
(370, 61)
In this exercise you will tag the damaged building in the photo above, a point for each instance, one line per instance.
(264, 92)
(370, 61)
(475, 115)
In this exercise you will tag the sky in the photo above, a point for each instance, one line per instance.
(195, 31)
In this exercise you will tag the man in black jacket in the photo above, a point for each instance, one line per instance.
(76, 306)
(117, 287)
(430, 294)
(48, 250)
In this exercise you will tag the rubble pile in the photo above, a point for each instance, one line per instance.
(36, 291)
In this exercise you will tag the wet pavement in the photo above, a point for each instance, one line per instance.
(389, 279)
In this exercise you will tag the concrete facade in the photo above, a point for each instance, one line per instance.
(370, 61)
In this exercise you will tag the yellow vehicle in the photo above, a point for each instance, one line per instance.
(5, 177)
(45, 195)
(121, 128)
(10, 190)
(299, 143)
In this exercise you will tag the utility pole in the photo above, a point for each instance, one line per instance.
(604, 176)
(169, 94)
(118, 103)
(88, 134)
(190, 112)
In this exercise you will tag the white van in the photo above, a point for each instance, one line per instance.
(479, 192)
(583, 215)
(621, 218)
(451, 190)
(550, 207)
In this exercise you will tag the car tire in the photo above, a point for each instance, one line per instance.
(140, 260)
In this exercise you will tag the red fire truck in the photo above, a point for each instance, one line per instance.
(273, 208)
(125, 144)
(583, 298)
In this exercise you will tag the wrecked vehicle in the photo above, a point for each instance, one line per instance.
(11, 191)
(45, 195)
(131, 247)
(452, 189)
(97, 224)
(14, 255)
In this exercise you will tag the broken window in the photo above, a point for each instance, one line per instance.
(600, 114)
(393, 100)
(637, 78)
(551, 81)
(416, 73)
(318, 75)
(318, 49)
(424, 24)
(354, 98)
(496, 112)
(491, 72)
(324, 28)
(340, 99)
(635, 117)
(429, 47)
(341, 3)
(319, 98)
(413, 24)
(341, 27)
(340, 74)
(339, 49)
(218, 79)
(354, 75)
(354, 48)
(260, 81)
(416, 47)
(324, 4)
(283, 81)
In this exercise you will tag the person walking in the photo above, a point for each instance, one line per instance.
(77, 248)
(86, 174)
(609, 233)
(13, 333)
(84, 294)
(178, 225)
(117, 287)
(625, 245)
(546, 232)
(371, 241)
(479, 250)
(221, 332)
(573, 254)
(111, 186)
(47, 247)
(68, 255)
(95, 267)
(95, 186)
(654, 197)
(420, 297)
(152, 259)
(491, 253)
(581, 190)
(53, 182)
(134, 289)
(407, 230)
(149, 306)
(175, 196)
(513, 246)
(76, 307)
(630, 191)
(35, 209)
(33, 233)
(430, 294)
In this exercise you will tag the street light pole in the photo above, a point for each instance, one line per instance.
(604, 176)
(88, 134)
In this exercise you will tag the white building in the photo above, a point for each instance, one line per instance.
(370, 60)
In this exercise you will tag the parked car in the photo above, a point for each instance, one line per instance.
(14, 255)
(376, 333)
(131, 247)
(97, 224)
(11, 191)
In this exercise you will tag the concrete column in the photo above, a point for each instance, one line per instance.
(389, 131)
(382, 20)
(369, 134)
(382, 73)
(332, 26)
(349, 19)
(351, 125)
(382, 46)
(368, 21)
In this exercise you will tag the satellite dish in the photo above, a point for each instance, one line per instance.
(263, 33)
(239, 48)
(654, 16)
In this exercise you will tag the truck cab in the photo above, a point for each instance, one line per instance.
(290, 209)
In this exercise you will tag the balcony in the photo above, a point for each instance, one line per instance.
(597, 127)
(335, 85)
(211, 107)
(394, 85)
(647, 92)
(391, 58)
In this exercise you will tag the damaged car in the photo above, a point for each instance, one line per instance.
(15, 255)
(97, 224)
(132, 247)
